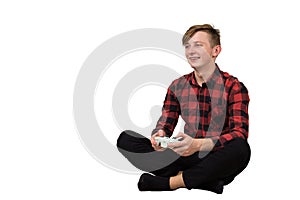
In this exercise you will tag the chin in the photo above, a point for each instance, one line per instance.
(196, 67)
(193, 65)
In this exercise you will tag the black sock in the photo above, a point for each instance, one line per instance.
(216, 187)
(149, 182)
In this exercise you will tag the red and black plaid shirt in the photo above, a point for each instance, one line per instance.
(218, 109)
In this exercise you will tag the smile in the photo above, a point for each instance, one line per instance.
(194, 58)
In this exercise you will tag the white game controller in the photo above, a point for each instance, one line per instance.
(164, 141)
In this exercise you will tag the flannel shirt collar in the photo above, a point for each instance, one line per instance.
(212, 79)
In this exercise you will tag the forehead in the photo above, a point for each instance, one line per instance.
(199, 36)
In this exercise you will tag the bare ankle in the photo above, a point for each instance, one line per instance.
(176, 182)
(180, 172)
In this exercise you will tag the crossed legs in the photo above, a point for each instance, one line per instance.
(172, 171)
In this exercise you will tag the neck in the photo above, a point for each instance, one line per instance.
(202, 74)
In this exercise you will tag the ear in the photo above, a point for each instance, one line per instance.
(216, 50)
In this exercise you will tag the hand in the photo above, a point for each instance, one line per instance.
(189, 145)
(160, 133)
(186, 147)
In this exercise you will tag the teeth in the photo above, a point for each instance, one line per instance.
(194, 58)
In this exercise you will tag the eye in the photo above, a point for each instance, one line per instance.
(186, 46)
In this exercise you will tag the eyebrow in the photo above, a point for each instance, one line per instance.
(198, 41)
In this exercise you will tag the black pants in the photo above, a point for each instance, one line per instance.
(221, 165)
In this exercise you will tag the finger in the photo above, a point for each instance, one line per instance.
(179, 150)
(182, 135)
(152, 139)
(160, 149)
(153, 142)
(184, 154)
(161, 133)
(157, 148)
(175, 144)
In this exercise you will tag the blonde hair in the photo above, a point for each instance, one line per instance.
(214, 34)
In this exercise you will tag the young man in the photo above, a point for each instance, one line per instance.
(213, 149)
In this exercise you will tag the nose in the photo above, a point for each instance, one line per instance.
(190, 51)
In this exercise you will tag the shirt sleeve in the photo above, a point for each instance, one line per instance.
(170, 114)
(238, 117)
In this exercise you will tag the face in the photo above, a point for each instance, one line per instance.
(199, 52)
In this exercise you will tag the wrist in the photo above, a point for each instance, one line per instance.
(196, 144)
(207, 144)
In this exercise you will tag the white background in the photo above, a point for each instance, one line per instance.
(43, 46)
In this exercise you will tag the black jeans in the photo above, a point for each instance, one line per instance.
(221, 165)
